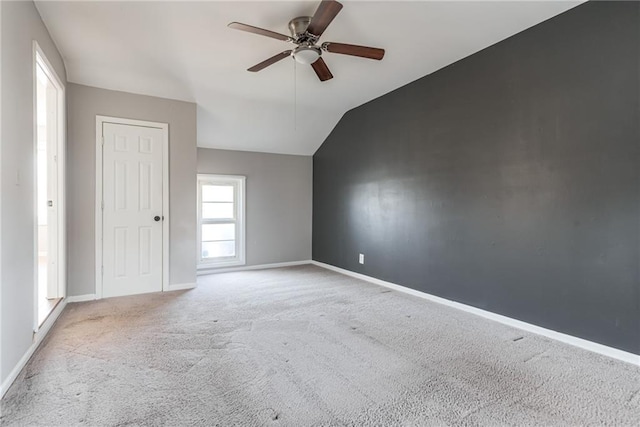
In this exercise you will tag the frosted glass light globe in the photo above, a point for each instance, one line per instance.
(306, 55)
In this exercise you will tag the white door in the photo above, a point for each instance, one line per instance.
(53, 290)
(132, 215)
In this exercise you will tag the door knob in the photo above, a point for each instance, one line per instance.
(156, 218)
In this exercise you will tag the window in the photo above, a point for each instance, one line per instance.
(220, 220)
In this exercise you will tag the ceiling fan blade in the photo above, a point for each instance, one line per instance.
(321, 69)
(325, 13)
(259, 31)
(354, 50)
(270, 61)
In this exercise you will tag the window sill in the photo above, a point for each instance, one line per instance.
(218, 265)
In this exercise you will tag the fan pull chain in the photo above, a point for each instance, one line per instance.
(295, 95)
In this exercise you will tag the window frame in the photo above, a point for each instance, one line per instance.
(239, 184)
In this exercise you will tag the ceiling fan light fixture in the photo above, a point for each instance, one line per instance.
(306, 54)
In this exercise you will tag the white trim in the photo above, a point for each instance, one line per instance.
(81, 298)
(181, 286)
(239, 182)
(61, 150)
(100, 120)
(34, 195)
(206, 272)
(604, 350)
(38, 337)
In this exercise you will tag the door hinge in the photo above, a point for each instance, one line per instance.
(102, 205)
(102, 270)
(103, 141)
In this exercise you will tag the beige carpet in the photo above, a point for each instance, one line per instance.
(305, 346)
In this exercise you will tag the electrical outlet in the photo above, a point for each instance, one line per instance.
(361, 259)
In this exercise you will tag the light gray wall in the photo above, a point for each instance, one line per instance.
(20, 25)
(83, 104)
(1, 281)
(278, 204)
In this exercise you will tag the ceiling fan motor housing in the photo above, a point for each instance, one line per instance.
(298, 26)
(306, 52)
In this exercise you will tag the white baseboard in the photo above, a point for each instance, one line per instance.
(81, 298)
(181, 286)
(558, 336)
(38, 337)
(252, 267)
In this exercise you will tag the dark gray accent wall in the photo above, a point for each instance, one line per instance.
(509, 181)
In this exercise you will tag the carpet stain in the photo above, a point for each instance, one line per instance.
(635, 397)
(535, 356)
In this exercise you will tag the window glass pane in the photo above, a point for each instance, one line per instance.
(218, 249)
(217, 210)
(217, 193)
(218, 232)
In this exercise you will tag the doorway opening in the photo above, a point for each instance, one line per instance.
(49, 147)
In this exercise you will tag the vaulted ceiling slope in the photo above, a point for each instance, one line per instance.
(184, 50)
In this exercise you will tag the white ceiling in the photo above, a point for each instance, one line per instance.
(184, 50)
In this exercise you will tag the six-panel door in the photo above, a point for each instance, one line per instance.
(132, 214)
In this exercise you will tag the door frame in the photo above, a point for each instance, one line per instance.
(100, 121)
(61, 150)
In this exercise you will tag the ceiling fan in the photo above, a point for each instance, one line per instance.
(305, 33)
